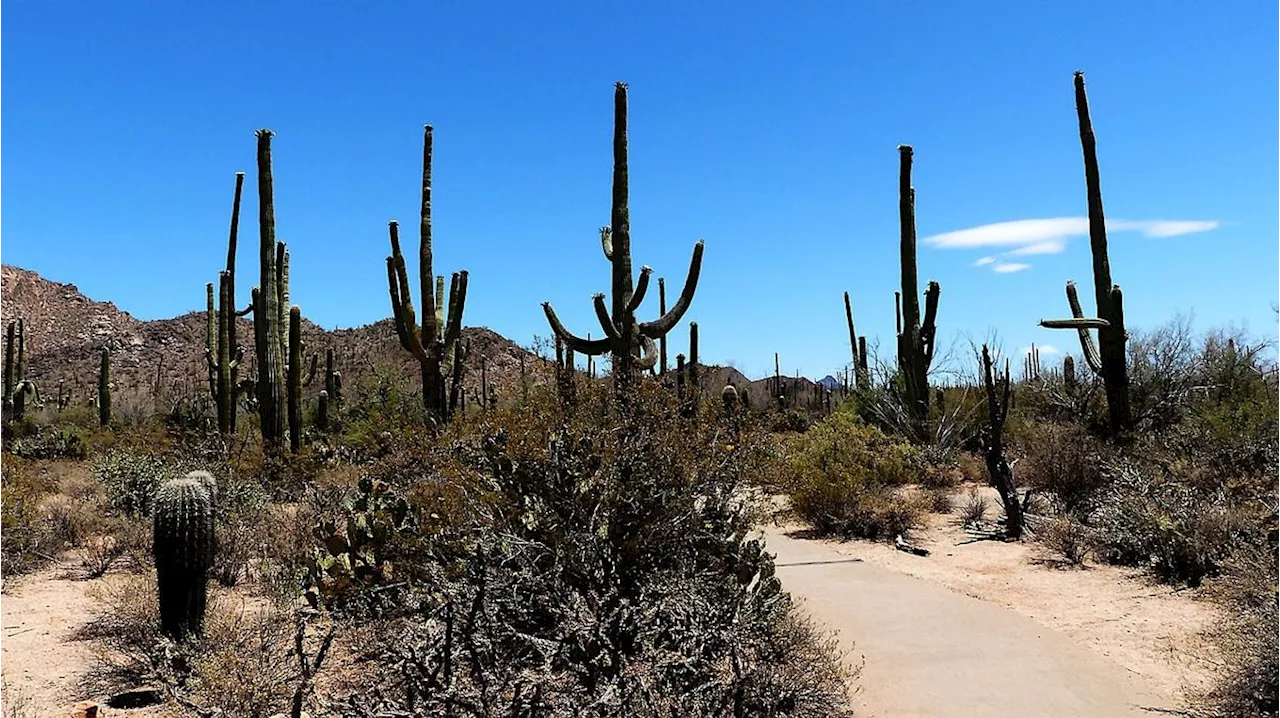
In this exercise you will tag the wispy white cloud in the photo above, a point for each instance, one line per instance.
(1043, 233)
(1007, 267)
(1051, 246)
(1011, 234)
(1163, 227)
(984, 261)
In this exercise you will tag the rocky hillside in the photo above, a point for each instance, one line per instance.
(158, 361)
(65, 331)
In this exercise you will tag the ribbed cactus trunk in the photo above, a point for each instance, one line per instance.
(859, 347)
(104, 388)
(1069, 374)
(9, 348)
(662, 341)
(269, 340)
(695, 381)
(228, 350)
(916, 337)
(294, 380)
(183, 550)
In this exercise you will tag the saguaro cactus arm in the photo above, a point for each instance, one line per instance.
(642, 287)
(578, 344)
(668, 321)
(1082, 324)
(406, 319)
(929, 328)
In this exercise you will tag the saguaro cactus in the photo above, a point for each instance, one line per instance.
(630, 342)
(1107, 357)
(16, 384)
(222, 353)
(104, 388)
(269, 339)
(433, 345)
(695, 382)
(916, 337)
(183, 549)
(862, 377)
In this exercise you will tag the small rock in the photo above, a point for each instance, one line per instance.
(87, 709)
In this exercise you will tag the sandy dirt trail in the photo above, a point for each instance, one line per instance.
(930, 651)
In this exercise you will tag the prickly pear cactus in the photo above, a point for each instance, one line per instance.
(183, 525)
(354, 554)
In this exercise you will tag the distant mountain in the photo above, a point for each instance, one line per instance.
(65, 331)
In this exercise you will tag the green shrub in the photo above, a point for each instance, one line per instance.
(847, 479)
(131, 479)
(50, 442)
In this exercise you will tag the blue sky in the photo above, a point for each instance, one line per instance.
(771, 133)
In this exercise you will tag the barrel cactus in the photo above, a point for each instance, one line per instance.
(183, 548)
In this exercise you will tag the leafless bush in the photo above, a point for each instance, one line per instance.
(975, 507)
(1065, 540)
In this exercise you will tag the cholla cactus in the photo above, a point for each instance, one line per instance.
(183, 549)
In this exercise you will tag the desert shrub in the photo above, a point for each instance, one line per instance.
(1163, 372)
(1180, 527)
(1246, 636)
(940, 500)
(131, 479)
(245, 663)
(1065, 540)
(50, 442)
(938, 466)
(846, 479)
(975, 507)
(600, 569)
(29, 539)
(1064, 461)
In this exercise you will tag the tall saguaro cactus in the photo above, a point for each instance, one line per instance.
(916, 337)
(104, 388)
(862, 377)
(16, 384)
(433, 344)
(222, 353)
(269, 337)
(629, 342)
(1107, 357)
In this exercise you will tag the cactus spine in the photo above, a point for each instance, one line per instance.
(630, 342)
(433, 346)
(183, 550)
(916, 335)
(1107, 357)
(104, 388)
